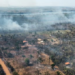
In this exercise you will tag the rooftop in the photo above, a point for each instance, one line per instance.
(67, 63)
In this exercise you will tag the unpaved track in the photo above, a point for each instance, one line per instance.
(5, 67)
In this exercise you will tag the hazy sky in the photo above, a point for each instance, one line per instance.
(11, 3)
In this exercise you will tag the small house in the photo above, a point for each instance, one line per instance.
(24, 42)
(56, 67)
(67, 64)
(39, 39)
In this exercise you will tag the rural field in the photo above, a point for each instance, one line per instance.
(37, 41)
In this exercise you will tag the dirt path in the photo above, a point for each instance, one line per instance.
(5, 67)
(46, 59)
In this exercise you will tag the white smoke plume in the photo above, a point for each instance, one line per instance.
(36, 20)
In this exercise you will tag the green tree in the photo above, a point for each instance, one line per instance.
(18, 48)
(23, 56)
(53, 66)
(15, 73)
(31, 56)
(27, 61)
(40, 59)
(10, 55)
(47, 73)
(45, 40)
(58, 73)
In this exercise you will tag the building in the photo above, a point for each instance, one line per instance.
(40, 41)
(24, 42)
(67, 64)
(56, 67)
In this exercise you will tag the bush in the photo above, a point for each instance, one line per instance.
(27, 61)
(40, 59)
(58, 73)
(15, 73)
(10, 55)
(47, 73)
(11, 68)
(31, 56)
(23, 56)
(52, 66)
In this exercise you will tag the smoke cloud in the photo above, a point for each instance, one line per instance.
(35, 19)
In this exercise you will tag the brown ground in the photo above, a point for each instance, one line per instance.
(45, 57)
(46, 62)
(5, 67)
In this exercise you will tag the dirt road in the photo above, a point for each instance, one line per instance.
(5, 67)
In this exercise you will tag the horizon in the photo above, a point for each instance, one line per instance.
(36, 3)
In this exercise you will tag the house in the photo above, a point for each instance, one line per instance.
(40, 41)
(22, 46)
(24, 42)
(56, 67)
(67, 64)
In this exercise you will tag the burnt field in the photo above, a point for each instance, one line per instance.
(38, 41)
(25, 50)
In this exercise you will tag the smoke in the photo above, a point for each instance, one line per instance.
(8, 24)
(39, 19)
